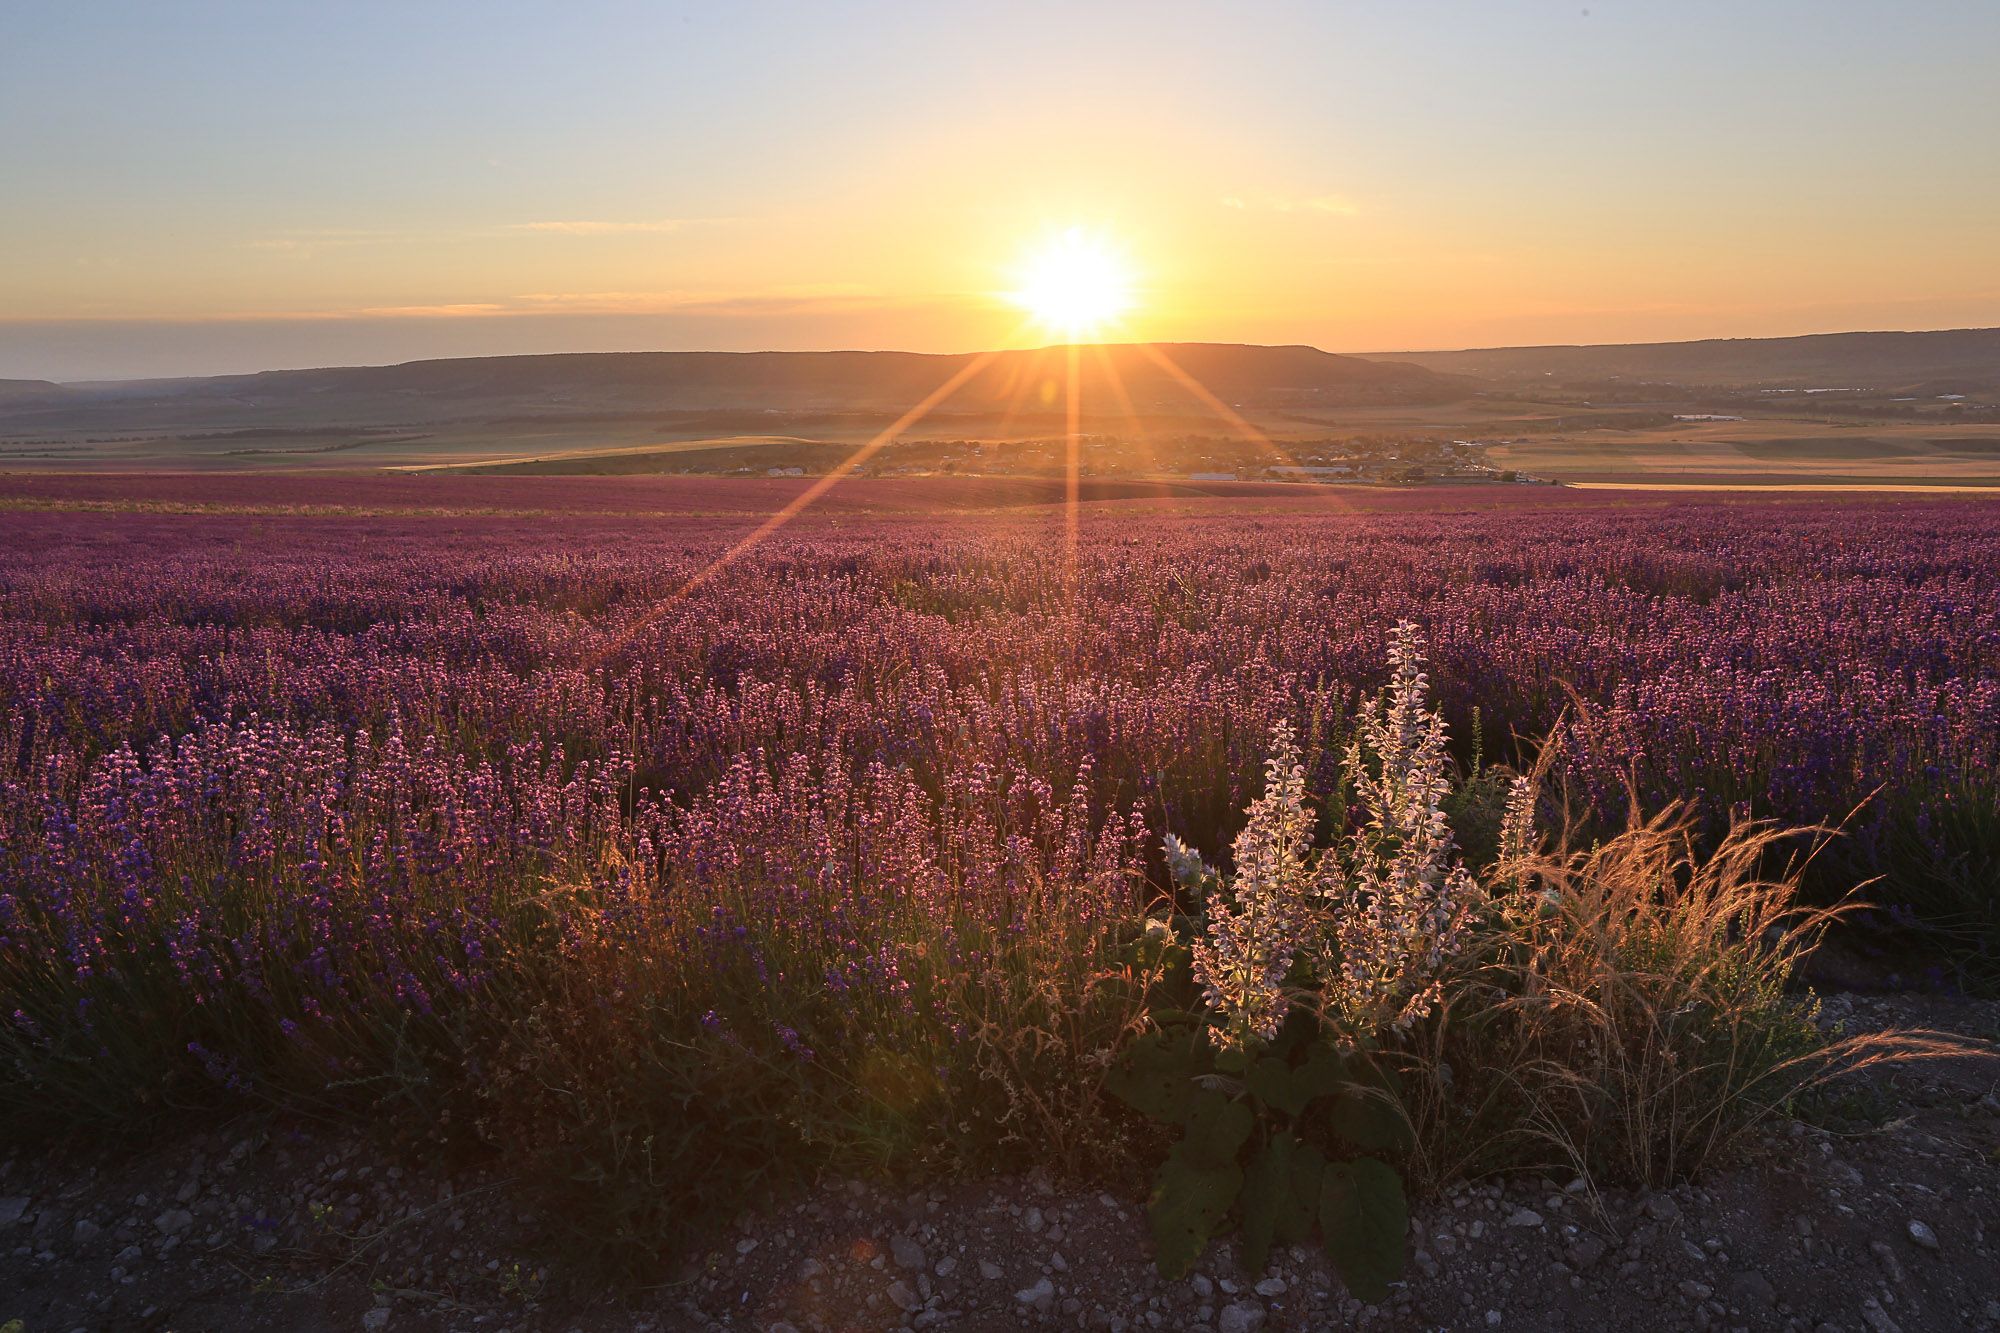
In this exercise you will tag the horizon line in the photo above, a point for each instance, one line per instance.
(902, 351)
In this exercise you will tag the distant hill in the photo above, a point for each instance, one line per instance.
(30, 391)
(624, 382)
(1950, 360)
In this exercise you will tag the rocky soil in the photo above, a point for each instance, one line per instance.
(1881, 1215)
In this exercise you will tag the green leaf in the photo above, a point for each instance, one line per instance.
(1369, 1114)
(1217, 1128)
(1232, 1060)
(1190, 1200)
(1323, 1074)
(1364, 1222)
(1156, 1076)
(1270, 1081)
(1280, 1197)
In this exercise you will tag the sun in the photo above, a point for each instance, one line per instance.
(1075, 285)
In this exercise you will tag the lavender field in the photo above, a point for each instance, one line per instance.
(451, 807)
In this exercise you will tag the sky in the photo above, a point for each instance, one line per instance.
(195, 188)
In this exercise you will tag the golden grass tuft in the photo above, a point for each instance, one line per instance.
(1633, 1014)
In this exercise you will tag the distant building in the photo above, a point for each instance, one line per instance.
(1211, 476)
(1294, 470)
(786, 472)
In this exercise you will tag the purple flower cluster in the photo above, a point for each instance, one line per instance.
(309, 766)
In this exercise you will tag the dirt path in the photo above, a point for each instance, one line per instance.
(1885, 1215)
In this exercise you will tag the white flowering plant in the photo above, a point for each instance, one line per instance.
(1304, 961)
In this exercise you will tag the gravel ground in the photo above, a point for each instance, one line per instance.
(1884, 1217)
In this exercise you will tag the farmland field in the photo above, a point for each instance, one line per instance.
(519, 647)
(548, 815)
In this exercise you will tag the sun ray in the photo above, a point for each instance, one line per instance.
(1223, 410)
(1072, 490)
(805, 498)
(1123, 397)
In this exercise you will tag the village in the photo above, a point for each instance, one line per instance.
(1362, 459)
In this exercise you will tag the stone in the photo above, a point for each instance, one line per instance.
(989, 1270)
(376, 1318)
(946, 1266)
(1240, 1317)
(1886, 1257)
(1877, 1319)
(1751, 1291)
(905, 1299)
(1524, 1217)
(1270, 1286)
(174, 1221)
(1585, 1252)
(1041, 1297)
(85, 1231)
(1923, 1235)
(12, 1209)
(908, 1255)
(1660, 1208)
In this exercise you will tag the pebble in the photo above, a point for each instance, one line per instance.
(1877, 1319)
(1923, 1235)
(1585, 1251)
(989, 1270)
(1886, 1257)
(1524, 1217)
(905, 1299)
(1041, 1297)
(1240, 1317)
(908, 1254)
(1752, 1289)
(12, 1209)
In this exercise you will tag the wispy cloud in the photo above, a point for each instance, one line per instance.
(1332, 204)
(776, 300)
(461, 310)
(808, 299)
(310, 240)
(584, 227)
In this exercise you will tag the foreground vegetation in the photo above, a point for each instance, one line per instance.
(502, 849)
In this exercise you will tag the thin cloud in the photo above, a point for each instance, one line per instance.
(459, 311)
(779, 300)
(308, 240)
(1333, 205)
(598, 228)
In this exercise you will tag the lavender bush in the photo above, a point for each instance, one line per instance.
(395, 805)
